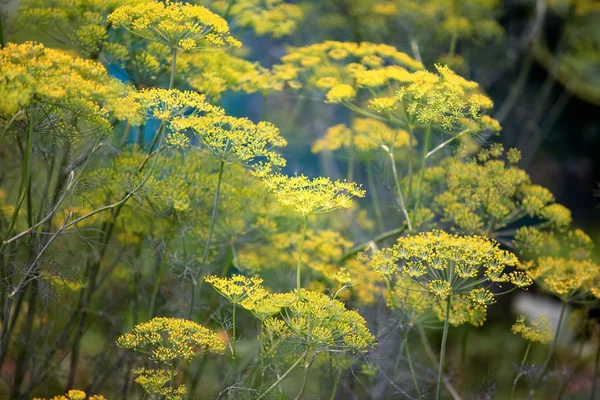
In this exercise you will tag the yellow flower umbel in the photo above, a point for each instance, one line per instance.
(340, 69)
(164, 105)
(485, 194)
(74, 395)
(213, 73)
(311, 196)
(451, 268)
(180, 26)
(266, 17)
(32, 75)
(539, 331)
(234, 140)
(365, 135)
(168, 340)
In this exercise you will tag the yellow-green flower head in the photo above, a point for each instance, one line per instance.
(312, 196)
(445, 100)
(340, 69)
(171, 339)
(538, 331)
(462, 311)
(570, 279)
(266, 17)
(164, 105)
(32, 74)
(236, 288)
(323, 324)
(213, 73)
(74, 395)
(322, 251)
(182, 26)
(449, 265)
(235, 140)
(159, 382)
(366, 134)
(78, 22)
(484, 194)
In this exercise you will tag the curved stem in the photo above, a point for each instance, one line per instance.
(213, 218)
(301, 392)
(233, 339)
(422, 171)
(282, 377)
(336, 384)
(399, 189)
(299, 267)
(596, 370)
(410, 365)
(443, 351)
(520, 373)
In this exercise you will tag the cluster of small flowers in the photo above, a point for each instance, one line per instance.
(180, 26)
(364, 135)
(312, 196)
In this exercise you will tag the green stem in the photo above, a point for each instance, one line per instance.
(520, 373)
(299, 267)
(438, 391)
(282, 377)
(301, 392)
(596, 370)
(173, 68)
(213, 218)
(410, 365)
(422, 171)
(553, 346)
(336, 384)
(233, 339)
(375, 199)
(399, 189)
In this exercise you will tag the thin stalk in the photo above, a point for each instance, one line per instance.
(438, 391)
(520, 373)
(552, 348)
(360, 247)
(398, 188)
(282, 377)
(422, 171)
(213, 218)
(233, 338)
(375, 199)
(410, 365)
(173, 68)
(299, 267)
(596, 370)
(336, 384)
(304, 379)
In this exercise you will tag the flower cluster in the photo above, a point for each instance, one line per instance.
(312, 196)
(158, 382)
(235, 140)
(446, 265)
(236, 288)
(75, 395)
(340, 69)
(485, 194)
(321, 254)
(163, 104)
(32, 74)
(365, 134)
(273, 17)
(182, 26)
(443, 100)
(171, 339)
(213, 73)
(568, 278)
(315, 322)
(538, 331)
(79, 22)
